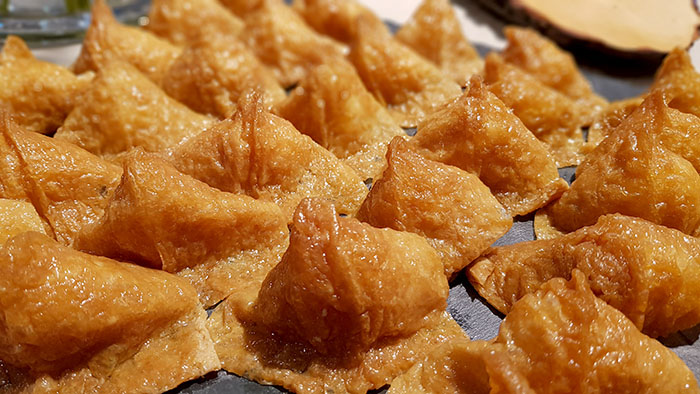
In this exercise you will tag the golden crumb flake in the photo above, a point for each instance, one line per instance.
(183, 21)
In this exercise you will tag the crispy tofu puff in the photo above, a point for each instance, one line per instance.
(608, 119)
(544, 60)
(639, 170)
(73, 322)
(18, 217)
(327, 318)
(241, 8)
(411, 86)
(649, 272)
(336, 18)
(68, 186)
(212, 73)
(332, 106)
(160, 218)
(107, 40)
(281, 39)
(122, 109)
(40, 94)
(552, 117)
(679, 80)
(561, 339)
(181, 21)
(479, 134)
(450, 207)
(264, 156)
(435, 33)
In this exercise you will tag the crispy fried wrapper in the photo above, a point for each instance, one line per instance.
(107, 40)
(181, 21)
(479, 134)
(212, 73)
(450, 207)
(434, 32)
(649, 272)
(281, 39)
(264, 156)
(40, 94)
(160, 218)
(241, 8)
(18, 217)
(122, 109)
(327, 317)
(608, 119)
(336, 18)
(67, 186)
(411, 86)
(80, 323)
(561, 339)
(332, 106)
(639, 170)
(553, 118)
(680, 81)
(544, 60)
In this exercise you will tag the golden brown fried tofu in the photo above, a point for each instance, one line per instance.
(408, 84)
(450, 207)
(80, 323)
(68, 186)
(336, 18)
(435, 33)
(241, 8)
(552, 117)
(608, 119)
(679, 80)
(264, 156)
(561, 339)
(213, 72)
(479, 134)
(544, 60)
(327, 318)
(182, 21)
(40, 94)
(18, 217)
(635, 172)
(332, 106)
(649, 272)
(107, 40)
(160, 218)
(122, 109)
(284, 42)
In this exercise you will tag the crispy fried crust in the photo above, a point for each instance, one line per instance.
(479, 134)
(18, 217)
(679, 81)
(607, 120)
(450, 207)
(182, 21)
(336, 18)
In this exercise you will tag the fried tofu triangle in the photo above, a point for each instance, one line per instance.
(544, 60)
(160, 218)
(450, 207)
(639, 170)
(680, 81)
(435, 33)
(264, 156)
(73, 322)
(122, 109)
(332, 106)
(67, 186)
(411, 86)
(18, 217)
(649, 272)
(561, 339)
(480, 135)
(107, 40)
(181, 21)
(40, 94)
(336, 18)
(327, 318)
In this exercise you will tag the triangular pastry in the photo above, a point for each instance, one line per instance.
(336, 18)
(181, 21)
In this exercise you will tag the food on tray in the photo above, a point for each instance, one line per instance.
(73, 322)
(107, 40)
(328, 318)
(39, 94)
(649, 272)
(336, 18)
(264, 156)
(449, 207)
(411, 86)
(435, 33)
(479, 134)
(160, 218)
(545, 61)
(639, 170)
(123, 109)
(184, 21)
(332, 106)
(67, 185)
(18, 217)
(559, 339)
